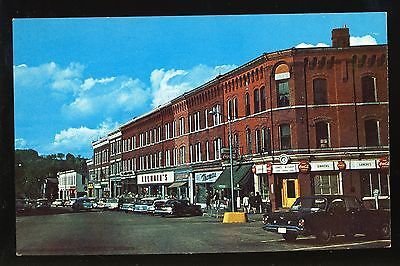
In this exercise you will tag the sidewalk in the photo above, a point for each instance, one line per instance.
(252, 217)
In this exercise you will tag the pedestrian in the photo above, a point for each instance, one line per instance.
(246, 204)
(208, 200)
(257, 201)
(252, 203)
(216, 199)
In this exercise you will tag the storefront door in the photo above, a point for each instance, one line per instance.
(290, 192)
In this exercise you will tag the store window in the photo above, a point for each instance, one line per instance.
(371, 132)
(327, 184)
(283, 93)
(374, 180)
(368, 85)
(285, 136)
(320, 91)
(322, 134)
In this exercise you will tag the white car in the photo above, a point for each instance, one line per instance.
(156, 203)
(128, 205)
(111, 204)
(57, 203)
(144, 204)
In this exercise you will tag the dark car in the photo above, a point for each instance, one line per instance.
(82, 204)
(326, 217)
(175, 207)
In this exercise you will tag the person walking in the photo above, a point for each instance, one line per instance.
(246, 204)
(252, 203)
(257, 201)
(216, 199)
(208, 200)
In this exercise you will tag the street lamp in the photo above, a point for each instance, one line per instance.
(213, 112)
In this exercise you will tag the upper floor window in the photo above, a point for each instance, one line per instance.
(283, 93)
(368, 85)
(263, 99)
(230, 110)
(256, 101)
(235, 108)
(258, 141)
(323, 134)
(217, 116)
(266, 140)
(284, 131)
(320, 91)
(248, 141)
(217, 148)
(181, 156)
(181, 126)
(247, 104)
(372, 132)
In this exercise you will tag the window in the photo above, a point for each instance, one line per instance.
(327, 185)
(167, 158)
(283, 93)
(256, 101)
(368, 85)
(159, 159)
(258, 141)
(263, 99)
(206, 118)
(181, 126)
(285, 136)
(174, 129)
(230, 110)
(374, 180)
(371, 132)
(181, 158)
(167, 131)
(322, 134)
(217, 148)
(198, 152)
(207, 151)
(266, 140)
(248, 141)
(235, 108)
(247, 104)
(320, 91)
(217, 116)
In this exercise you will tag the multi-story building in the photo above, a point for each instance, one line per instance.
(70, 185)
(303, 121)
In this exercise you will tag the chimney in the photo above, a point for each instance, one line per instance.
(341, 37)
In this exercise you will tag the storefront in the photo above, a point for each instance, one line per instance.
(180, 188)
(115, 186)
(242, 180)
(203, 183)
(154, 184)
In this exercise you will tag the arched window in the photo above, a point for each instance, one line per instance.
(217, 148)
(256, 101)
(248, 141)
(235, 108)
(372, 137)
(263, 99)
(247, 104)
(258, 141)
(368, 84)
(283, 92)
(320, 91)
(322, 134)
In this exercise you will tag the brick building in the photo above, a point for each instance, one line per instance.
(303, 121)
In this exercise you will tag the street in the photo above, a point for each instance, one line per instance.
(116, 233)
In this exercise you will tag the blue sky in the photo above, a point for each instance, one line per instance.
(76, 79)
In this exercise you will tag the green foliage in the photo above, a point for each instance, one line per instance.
(31, 170)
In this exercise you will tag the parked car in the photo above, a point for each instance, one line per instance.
(82, 204)
(175, 207)
(23, 205)
(94, 201)
(111, 204)
(127, 204)
(157, 203)
(326, 217)
(57, 203)
(101, 204)
(142, 205)
(42, 204)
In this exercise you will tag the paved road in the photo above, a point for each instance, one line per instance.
(113, 232)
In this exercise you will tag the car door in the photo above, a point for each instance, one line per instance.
(338, 220)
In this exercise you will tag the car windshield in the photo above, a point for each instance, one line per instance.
(313, 204)
(112, 200)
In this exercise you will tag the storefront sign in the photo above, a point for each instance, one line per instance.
(363, 164)
(97, 186)
(207, 177)
(322, 166)
(263, 168)
(285, 168)
(304, 167)
(181, 177)
(156, 178)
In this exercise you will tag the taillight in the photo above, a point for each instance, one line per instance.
(301, 223)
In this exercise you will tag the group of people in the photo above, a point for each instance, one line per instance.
(250, 204)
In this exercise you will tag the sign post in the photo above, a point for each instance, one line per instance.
(376, 195)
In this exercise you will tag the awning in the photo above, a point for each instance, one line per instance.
(177, 184)
(241, 174)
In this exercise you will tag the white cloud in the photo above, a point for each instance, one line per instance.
(364, 40)
(308, 45)
(169, 84)
(81, 138)
(90, 82)
(20, 143)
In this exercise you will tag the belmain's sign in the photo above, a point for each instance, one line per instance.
(156, 178)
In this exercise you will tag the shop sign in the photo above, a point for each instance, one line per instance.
(263, 168)
(181, 177)
(341, 165)
(281, 76)
(383, 163)
(207, 177)
(363, 164)
(156, 178)
(285, 168)
(304, 167)
(322, 166)
(104, 183)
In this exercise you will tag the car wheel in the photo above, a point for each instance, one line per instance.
(324, 236)
(290, 237)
